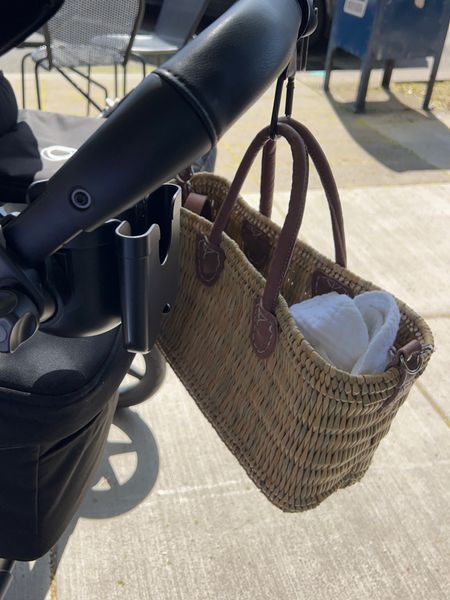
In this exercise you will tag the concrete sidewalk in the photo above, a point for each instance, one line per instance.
(173, 516)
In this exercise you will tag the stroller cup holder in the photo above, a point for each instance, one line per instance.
(84, 280)
(148, 254)
(125, 271)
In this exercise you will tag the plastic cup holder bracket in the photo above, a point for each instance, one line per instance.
(148, 254)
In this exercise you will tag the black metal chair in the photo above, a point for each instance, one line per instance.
(176, 24)
(73, 42)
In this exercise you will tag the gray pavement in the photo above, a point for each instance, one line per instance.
(172, 515)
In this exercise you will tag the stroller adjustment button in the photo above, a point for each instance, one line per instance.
(81, 199)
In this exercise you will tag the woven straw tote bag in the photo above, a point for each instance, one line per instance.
(300, 427)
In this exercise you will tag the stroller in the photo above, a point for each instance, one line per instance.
(89, 260)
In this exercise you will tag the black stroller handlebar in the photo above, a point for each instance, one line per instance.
(174, 116)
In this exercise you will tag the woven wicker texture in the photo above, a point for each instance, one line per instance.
(300, 428)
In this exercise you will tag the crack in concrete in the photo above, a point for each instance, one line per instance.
(437, 409)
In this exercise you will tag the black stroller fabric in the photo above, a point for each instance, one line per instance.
(9, 111)
(23, 17)
(57, 395)
(53, 428)
(36, 146)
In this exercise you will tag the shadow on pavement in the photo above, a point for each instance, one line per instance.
(117, 489)
(389, 130)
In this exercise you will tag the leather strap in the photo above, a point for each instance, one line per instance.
(268, 177)
(199, 204)
(329, 185)
(183, 178)
(210, 255)
(326, 177)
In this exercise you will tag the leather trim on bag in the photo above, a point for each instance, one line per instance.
(264, 331)
(210, 260)
(199, 204)
(324, 284)
(256, 245)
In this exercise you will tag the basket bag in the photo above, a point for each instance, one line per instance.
(300, 427)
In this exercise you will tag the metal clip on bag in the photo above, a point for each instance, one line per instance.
(300, 427)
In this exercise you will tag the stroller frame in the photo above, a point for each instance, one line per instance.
(89, 191)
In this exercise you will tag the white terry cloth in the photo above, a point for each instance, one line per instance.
(355, 335)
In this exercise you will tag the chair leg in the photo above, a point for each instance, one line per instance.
(389, 67)
(124, 80)
(91, 81)
(116, 85)
(139, 58)
(22, 72)
(38, 85)
(88, 107)
(6, 567)
(77, 87)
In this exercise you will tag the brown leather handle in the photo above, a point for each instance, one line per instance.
(283, 251)
(210, 257)
(268, 177)
(326, 177)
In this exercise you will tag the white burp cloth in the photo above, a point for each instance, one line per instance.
(355, 335)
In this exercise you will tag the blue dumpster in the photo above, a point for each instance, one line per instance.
(388, 31)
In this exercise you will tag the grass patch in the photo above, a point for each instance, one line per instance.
(441, 92)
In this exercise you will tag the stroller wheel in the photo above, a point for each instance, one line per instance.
(143, 379)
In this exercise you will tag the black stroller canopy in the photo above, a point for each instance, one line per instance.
(22, 18)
